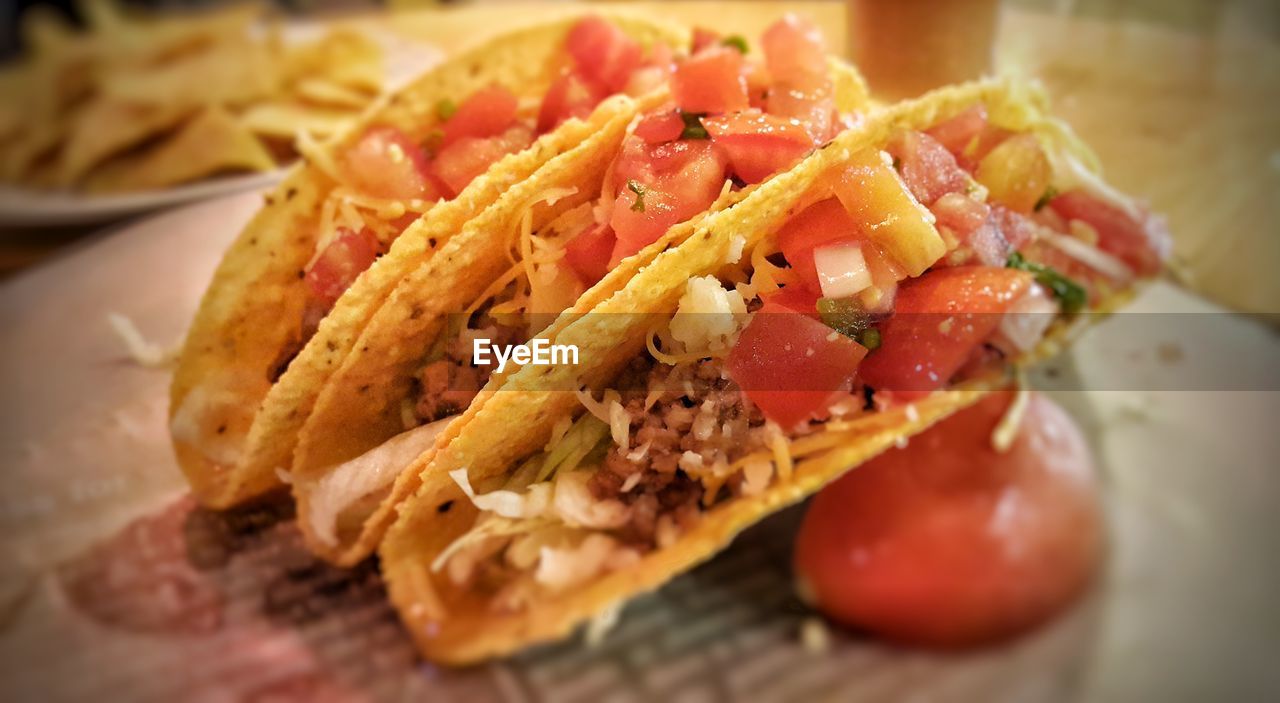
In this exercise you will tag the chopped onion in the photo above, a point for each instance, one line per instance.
(1090, 256)
(842, 270)
(1023, 325)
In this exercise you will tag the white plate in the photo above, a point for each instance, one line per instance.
(1186, 609)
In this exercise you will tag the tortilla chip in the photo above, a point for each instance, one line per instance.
(152, 40)
(234, 72)
(107, 127)
(345, 57)
(214, 142)
(284, 120)
(322, 91)
(456, 625)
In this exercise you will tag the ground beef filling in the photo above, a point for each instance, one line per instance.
(447, 385)
(701, 420)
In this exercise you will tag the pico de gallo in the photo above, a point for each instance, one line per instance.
(387, 177)
(734, 118)
(720, 131)
(942, 256)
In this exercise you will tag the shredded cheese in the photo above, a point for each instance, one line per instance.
(1006, 431)
(143, 352)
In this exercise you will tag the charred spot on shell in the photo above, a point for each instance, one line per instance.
(444, 507)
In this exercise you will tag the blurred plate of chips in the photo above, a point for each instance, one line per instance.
(133, 113)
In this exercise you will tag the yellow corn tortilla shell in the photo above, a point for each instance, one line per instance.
(229, 437)
(213, 142)
(284, 120)
(360, 406)
(457, 626)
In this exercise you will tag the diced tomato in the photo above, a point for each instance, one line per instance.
(1016, 229)
(487, 113)
(948, 542)
(822, 223)
(938, 320)
(958, 132)
(928, 169)
(386, 163)
(682, 178)
(795, 56)
(795, 53)
(796, 299)
(603, 53)
(791, 365)
(703, 38)
(569, 96)
(711, 81)
(459, 163)
(758, 145)
(960, 212)
(345, 258)
(665, 125)
(587, 254)
(1141, 245)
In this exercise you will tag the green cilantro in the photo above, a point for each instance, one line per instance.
(736, 41)
(1049, 194)
(845, 315)
(639, 190)
(693, 128)
(870, 339)
(446, 108)
(1070, 294)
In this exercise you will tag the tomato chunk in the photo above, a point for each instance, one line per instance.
(824, 222)
(603, 53)
(758, 145)
(791, 365)
(795, 56)
(661, 126)
(796, 299)
(487, 113)
(587, 254)
(568, 97)
(938, 320)
(957, 133)
(1016, 172)
(960, 212)
(679, 180)
(947, 542)
(928, 169)
(1141, 245)
(459, 163)
(711, 81)
(386, 163)
(343, 259)
(887, 213)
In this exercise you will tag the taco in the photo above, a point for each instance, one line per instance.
(888, 280)
(566, 238)
(334, 238)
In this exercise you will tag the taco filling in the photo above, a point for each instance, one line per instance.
(945, 255)
(725, 128)
(387, 177)
(731, 122)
